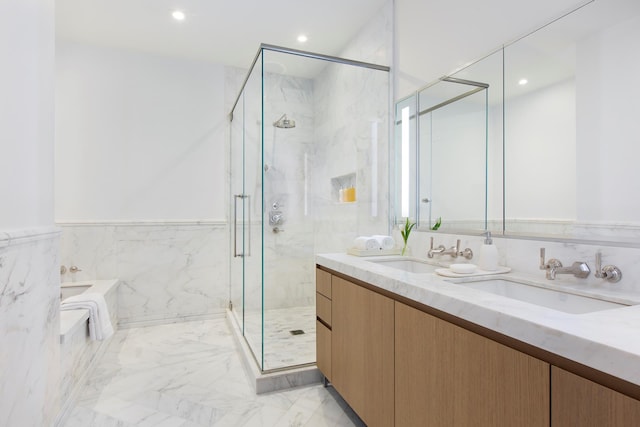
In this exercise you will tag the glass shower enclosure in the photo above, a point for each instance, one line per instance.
(305, 130)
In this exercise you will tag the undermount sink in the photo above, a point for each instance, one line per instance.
(561, 301)
(405, 264)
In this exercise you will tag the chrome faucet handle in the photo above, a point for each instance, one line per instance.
(440, 249)
(74, 269)
(550, 267)
(455, 250)
(467, 253)
(609, 272)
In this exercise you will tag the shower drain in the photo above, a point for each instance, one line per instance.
(296, 332)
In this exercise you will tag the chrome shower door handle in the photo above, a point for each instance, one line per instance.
(246, 196)
(235, 224)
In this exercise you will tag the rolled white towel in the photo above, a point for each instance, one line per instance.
(365, 243)
(384, 242)
(100, 327)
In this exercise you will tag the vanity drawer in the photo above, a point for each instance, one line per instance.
(323, 349)
(323, 309)
(323, 283)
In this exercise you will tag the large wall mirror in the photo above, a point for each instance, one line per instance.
(562, 134)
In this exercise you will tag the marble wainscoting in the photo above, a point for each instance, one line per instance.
(30, 327)
(168, 271)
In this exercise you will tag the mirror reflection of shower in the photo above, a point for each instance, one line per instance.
(284, 123)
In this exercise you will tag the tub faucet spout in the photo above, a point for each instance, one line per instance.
(578, 269)
(553, 267)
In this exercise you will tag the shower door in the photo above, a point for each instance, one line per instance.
(246, 214)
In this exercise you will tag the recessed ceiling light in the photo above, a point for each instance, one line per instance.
(523, 82)
(178, 15)
(302, 38)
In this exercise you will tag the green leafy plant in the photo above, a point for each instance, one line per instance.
(405, 232)
(437, 224)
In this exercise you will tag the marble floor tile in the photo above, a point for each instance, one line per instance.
(190, 375)
(281, 348)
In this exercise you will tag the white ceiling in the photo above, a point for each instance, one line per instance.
(222, 31)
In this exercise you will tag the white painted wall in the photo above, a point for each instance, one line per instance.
(26, 113)
(608, 103)
(540, 154)
(138, 136)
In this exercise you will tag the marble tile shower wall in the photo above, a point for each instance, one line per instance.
(30, 327)
(290, 155)
(168, 271)
(352, 133)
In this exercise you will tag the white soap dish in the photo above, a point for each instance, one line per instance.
(463, 268)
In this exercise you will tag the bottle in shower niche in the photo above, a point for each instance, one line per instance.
(350, 194)
(341, 195)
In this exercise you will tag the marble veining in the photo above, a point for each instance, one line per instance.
(29, 325)
(605, 340)
(168, 271)
(189, 374)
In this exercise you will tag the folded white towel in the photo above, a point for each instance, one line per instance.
(100, 327)
(384, 242)
(365, 243)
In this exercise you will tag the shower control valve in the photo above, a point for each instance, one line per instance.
(275, 218)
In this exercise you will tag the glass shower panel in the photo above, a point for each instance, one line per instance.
(236, 276)
(253, 202)
(325, 129)
(288, 222)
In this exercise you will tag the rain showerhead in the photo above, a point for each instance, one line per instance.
(284, 123)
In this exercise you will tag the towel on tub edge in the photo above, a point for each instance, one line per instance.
(100, 327)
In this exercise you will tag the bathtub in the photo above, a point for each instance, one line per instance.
(78, 353)
(73, 320)
(70, 289)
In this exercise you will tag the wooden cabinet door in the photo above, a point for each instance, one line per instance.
(576, 401)
(447, 376)
(362, 351)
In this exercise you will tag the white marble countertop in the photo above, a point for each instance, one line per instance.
(607, 340)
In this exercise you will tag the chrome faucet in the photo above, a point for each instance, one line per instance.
(578, 269)
(453, 251)
(610, 273)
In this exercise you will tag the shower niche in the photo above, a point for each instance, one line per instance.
(343, 188)
(288, 157)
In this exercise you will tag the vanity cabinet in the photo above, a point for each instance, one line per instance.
(397, 363)
(448, 376)
(577, 401)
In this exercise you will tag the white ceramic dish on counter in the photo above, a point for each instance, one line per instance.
(463, 268)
